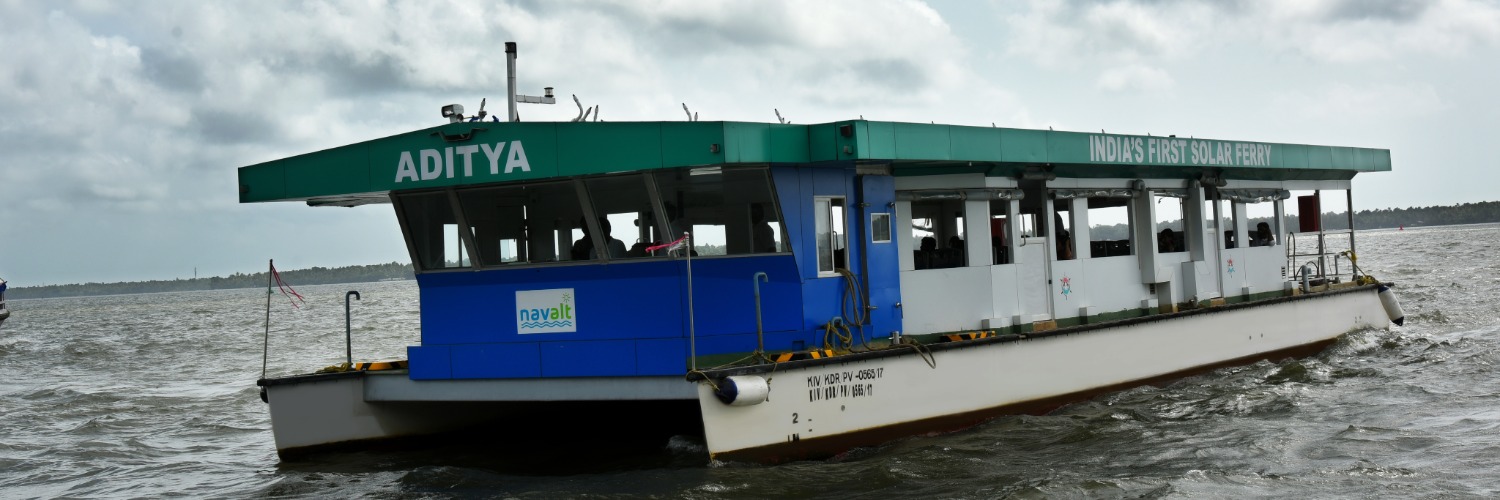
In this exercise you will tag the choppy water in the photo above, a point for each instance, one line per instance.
(153, 395)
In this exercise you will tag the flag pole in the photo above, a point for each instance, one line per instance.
(266, 347)
(692, 331)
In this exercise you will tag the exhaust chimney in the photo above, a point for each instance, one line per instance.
(510, 78)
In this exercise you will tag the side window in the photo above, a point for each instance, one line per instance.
(937, 226)
(1219, 217)
(523, 224)
(1109, 227)
(729, 211)
(433, 231)
(1169, 227)
(622, 214)
(831, 234)
(1261, 219)
(880, 227)
(1000, 221)
(1062, 223)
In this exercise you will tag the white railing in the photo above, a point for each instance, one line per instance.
(1322, 250)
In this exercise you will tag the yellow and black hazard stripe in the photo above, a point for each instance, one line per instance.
(955, 337)
(801, 355)
(374, 366)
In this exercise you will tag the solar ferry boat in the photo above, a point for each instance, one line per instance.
(841, 284)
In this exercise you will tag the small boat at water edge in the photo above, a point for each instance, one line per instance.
(793, 291)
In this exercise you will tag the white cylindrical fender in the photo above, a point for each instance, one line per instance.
(743, 390)
(1392, 307)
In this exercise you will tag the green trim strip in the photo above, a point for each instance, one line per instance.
(482, 153)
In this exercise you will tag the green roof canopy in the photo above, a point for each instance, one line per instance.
(480, 153)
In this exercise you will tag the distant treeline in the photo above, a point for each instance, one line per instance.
(1467, 213)
(311, 276)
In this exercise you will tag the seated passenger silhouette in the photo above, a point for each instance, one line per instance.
(583, 249)
(762, 237)
(1166, 241)
(1262, 236)
(926, 256)
(1063, 239)
(953, 256)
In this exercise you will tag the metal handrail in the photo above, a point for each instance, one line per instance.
(349, 329)
(1321, 253)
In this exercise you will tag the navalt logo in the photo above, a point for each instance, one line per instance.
(429, 164)
(546, 311)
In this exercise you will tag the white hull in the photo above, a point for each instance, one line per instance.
(318, 411)
(312, 412)
(829, 407)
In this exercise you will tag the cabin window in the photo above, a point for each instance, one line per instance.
(1000, 220)
(522, 224)
(1062, 222)
(1168, 223)
(1262, 223)
(432, 231)
(1219, 219)
(624, 216)
(729, 211)
(1109, 227)
(937, 229)
(828, 214)
(1027, 225)
(880, 227)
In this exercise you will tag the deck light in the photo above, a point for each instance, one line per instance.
(454, 113)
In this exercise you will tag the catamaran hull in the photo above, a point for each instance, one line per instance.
(311, 413)
(314, 412)
(817, 410)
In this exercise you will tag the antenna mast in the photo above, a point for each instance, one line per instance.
(510, 85)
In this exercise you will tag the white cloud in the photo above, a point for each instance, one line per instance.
(1135, 78)
(1082, 33)
(146, 112)
(1388, 101)
(1071, 34)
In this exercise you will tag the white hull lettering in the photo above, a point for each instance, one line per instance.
(1172, 151)
(432, 164)
(468, 155)
(517, 158)
(406, 168)
(450, 162)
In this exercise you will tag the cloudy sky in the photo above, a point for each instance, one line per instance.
(122, 123)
